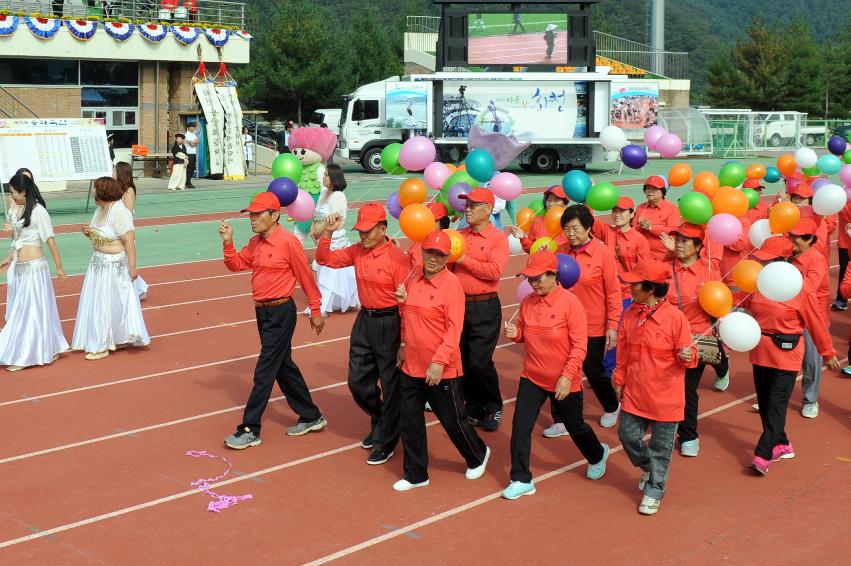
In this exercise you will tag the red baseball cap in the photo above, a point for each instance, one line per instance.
(805, 226)
(654, 271)
(656, 182)
(688, 230)
(803, 190)
(773, 248)
(753, 184)
(557, 191)
(263, 201)
(438, 241)
(625, 203)
(369, 215)
(438, 209)
(539, 263)
(479, 195)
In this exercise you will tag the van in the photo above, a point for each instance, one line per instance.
(328, 116)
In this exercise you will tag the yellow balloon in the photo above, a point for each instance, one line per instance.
(545, 243)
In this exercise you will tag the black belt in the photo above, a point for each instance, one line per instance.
(381, 312)
(480, 298)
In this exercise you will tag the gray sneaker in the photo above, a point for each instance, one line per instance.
(810, 410)
(690, 448)
(304, 428)
(608, 420)
(242, 439)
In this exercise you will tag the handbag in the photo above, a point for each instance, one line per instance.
(708, 347)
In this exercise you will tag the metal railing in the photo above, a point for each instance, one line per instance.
(12, 107)
(206, 12)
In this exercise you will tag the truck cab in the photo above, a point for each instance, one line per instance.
(363, 132)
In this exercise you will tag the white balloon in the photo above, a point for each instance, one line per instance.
(612, 138)
(829, 199)
(740, 332)
(805, 157)
(779, 281)
(514, 245)
(759, 232)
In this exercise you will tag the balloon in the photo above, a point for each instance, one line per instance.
(412, 190)
(457, 245)
(603, 196)
(390, 159)
(772, 175)
(836, 145)
(452, 167)
(523, 290)
(730, 200)
(819, 183)
(715, 298)
(506, 186)
(779, 281)
(846, 157)
(724, 228)
(393, 206)
(454, 196)
(285, 189)
(613, 138)
(679, 175)
(416, 222)
(755, 171)
(633, 156)
(745, 274)
(695, 207)
(538, 207)
(847, 192)
(460, 177)
(706, 183)
(753, 198)
(524, 219)
(805, 157)
(759, 232)
(302, 207)
(810, 171)
(287, 165)
(417, 153)
(576, 184)
(786, 164)
(480, 165)
(845, 174)
(829, 200)
(669, 145)
(435, 175)
(783, 216)
(829, 164)
(568, 271)
(652, 135)
(552, 220)
(740, 332)
(545, 243)
(514, 245)
(732, 175)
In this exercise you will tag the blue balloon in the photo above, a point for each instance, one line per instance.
(480, 165)
(633, 156)
(576, 184)
(836, 145)
(285, 189)
(394, 207)
(568, 271)
(829, 164)
(772, 175)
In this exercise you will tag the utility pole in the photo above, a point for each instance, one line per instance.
(657, 35)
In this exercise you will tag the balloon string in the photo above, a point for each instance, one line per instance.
(426, 203)
(237, 217)
(711, 329)
(723, 277)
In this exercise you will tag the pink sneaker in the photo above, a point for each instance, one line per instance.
(760, 465)
(782, 452)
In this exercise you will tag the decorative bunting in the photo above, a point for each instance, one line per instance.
(243, 34)
(81, 29)
(217, 37)
(43, 28)
(184, 34)
(8, 24)
(119, 30)
(153, 32)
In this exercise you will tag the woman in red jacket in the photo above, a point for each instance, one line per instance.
(843, 246)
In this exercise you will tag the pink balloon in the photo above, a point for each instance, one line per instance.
(669, 145)
(845, 174)
(848, 193)
(417, 153)
(724, 228)
(435, 175)
(652, 135)
(302, 207)
(506, 186)
(523, 290)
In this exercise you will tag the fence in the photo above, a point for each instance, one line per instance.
(743, 134)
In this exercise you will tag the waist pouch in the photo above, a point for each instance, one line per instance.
(784, 341)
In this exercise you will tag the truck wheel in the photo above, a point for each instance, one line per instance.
(811, 140)
(775, 140)
(526, 166)
(544, 161)
(371, 160)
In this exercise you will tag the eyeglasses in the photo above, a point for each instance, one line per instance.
(470, 205)
(575, 229)
(537, 280)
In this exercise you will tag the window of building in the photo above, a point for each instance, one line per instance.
(118, 73)
(110, 96)
(58, 72)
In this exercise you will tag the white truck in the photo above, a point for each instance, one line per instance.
(784, 128)
(560, 113)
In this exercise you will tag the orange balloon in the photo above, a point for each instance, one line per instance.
(679, 175)
(706, 183)
(545, 243)
(755, 171)
(412, 191)
(552, 220)
(715, 298)
(416, 222)
(458, 245)
(462, 167)
(745, 274)
(783, 216)
(730, 200)
(524, 219)
(451, 168)
(786, 164)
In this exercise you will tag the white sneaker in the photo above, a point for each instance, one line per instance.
(648, 505)
(314, 266)
(722, 382)
(555, 430)
(405, 485)
(810, 410)
(608, 420)
(478, 471)
(428, 407)
(690, 448)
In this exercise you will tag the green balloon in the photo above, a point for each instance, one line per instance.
(753, 197)
(460, 177)
(390, 159)
(287, 165)
(810, 171)
(732, 175)
(603, 196)
(695, 207)
(538, 206)
(847, 156)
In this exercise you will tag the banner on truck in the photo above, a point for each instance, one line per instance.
(634, 105)
(407, 105)
(541, 111)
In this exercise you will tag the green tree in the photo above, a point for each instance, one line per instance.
(761, 62)
(724, 82)
(838, 75)
(805, 63)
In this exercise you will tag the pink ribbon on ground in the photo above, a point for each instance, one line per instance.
(219, 502)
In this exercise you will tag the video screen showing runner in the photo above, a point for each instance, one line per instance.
(517, 38)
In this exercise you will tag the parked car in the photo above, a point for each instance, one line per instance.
(262, 131)
(843, 131)
(780, 128)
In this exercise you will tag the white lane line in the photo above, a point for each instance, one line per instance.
(184, 303)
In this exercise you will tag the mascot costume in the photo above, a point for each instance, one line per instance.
(313, 147)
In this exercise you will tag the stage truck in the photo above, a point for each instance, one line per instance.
(560, 113)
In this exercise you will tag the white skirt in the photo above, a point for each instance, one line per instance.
(141, 287)
(109, 314)
(338, 287)
(33, 332)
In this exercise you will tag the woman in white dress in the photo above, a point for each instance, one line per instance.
(124, 176)
(33, 332)
(338, 286)
(247, 148)
(109, 316)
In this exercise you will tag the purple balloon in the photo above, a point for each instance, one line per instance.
(633, 156)
(393, 205)
(819, 183)
(454, 195)
(285, 189)
(836, 145)
(568, 271)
